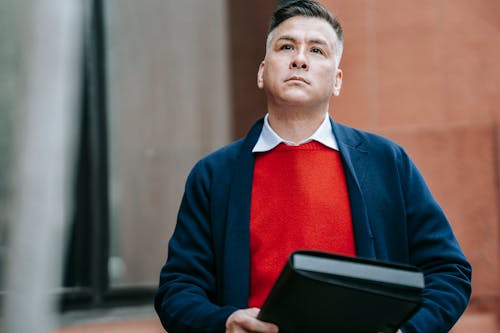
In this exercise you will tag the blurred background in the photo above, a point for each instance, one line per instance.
(105, 105)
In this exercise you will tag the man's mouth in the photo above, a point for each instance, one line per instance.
(297, 78)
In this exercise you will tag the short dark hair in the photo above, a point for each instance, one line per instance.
(307, 8)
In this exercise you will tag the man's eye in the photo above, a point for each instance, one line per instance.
(287, 47)
(317, 50)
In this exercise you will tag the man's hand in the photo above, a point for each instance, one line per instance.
(245, 321)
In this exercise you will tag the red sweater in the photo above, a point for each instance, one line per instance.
(299, 201)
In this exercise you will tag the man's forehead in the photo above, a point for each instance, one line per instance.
(305, 28)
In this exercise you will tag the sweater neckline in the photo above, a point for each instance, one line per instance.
(311, 145)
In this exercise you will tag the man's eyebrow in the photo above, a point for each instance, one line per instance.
(287, 37)
(319, 41)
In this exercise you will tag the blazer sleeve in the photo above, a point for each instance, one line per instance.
(433, 248)
(185, 300)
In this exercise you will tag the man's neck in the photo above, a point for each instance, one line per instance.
(295, 125)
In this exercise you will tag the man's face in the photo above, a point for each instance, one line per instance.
(300, 67)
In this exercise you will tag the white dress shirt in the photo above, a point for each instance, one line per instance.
(269, 139)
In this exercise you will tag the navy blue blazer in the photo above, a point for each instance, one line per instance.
(395, 218)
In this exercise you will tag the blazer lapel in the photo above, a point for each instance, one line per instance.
(354, 158)
(237, 249)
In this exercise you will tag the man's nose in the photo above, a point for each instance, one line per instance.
(299, 61)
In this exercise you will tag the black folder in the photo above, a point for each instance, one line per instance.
(320, 292)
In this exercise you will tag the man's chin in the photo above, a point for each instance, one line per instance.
(297, 100)
(296, 96)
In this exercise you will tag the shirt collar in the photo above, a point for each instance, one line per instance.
(269, 139)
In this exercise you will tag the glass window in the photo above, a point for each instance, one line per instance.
(161, 91)
(167, 106)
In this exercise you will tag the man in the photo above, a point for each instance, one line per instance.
(300, 180)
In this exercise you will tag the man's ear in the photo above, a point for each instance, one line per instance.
(338, 82)
(260, 75)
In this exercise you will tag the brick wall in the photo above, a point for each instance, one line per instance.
(426, 74)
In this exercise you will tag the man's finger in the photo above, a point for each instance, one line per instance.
(246, 321)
